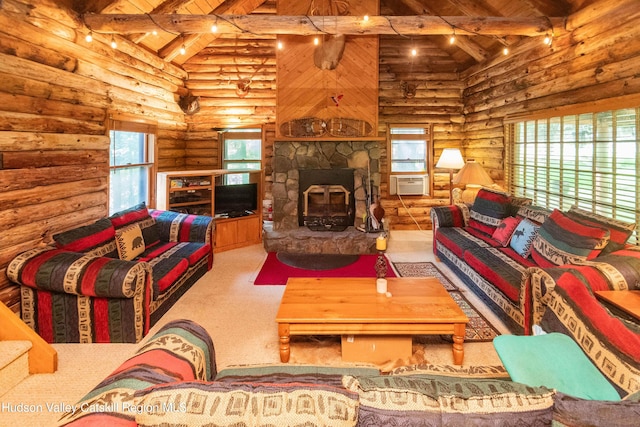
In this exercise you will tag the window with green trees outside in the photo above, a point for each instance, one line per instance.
(591, 160)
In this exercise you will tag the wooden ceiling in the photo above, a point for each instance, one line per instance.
(221, 65)
(468, 49)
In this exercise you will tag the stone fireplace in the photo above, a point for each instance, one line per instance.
(296, 164)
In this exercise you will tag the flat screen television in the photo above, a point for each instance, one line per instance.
(235, 200)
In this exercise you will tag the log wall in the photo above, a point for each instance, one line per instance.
(214, 75)
(437, 101)
(594, 66)
(56, 93)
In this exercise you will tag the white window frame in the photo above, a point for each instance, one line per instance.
(230, 164)
(426, 137)
(150, 130)
(412, 134)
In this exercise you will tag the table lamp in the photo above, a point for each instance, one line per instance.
(451, 159)
(474, 177)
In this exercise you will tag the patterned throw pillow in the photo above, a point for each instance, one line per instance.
(620, 231)
(562, 240)
(536, 214)
(471, 371)
(129, 242)
(505, 229)
(96, 239)
(489, 207)
(273, 373)
(516, 203)
(138, 214)
(572, 411)
(431, 400)
(181, 350)
(523, 236)
(245, 404)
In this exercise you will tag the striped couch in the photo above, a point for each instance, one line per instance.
(569, 256)
(172, 381)
(110, 281)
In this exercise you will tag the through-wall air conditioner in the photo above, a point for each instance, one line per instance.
(409, 185)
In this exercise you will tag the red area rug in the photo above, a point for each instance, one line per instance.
(274, 272)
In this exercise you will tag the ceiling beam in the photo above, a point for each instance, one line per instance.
(171, 52)
(476, 8)
(465, 44)
(415, 25)
(171, 6)
(94, 6)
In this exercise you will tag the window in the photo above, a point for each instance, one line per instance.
(241, 149)
(591, 160)
(410, 148)
(131, 164)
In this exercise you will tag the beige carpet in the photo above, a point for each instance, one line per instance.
(240, 318)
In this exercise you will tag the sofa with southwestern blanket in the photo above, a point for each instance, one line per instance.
(544, 271)
(172, 380)
(111, 280)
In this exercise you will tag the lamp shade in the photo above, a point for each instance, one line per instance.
(451, 158)
(472, 173)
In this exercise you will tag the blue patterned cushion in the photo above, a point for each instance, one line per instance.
(523, 236)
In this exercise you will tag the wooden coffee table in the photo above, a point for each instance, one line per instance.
(337, 306)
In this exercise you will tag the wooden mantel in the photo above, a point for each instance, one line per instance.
(414, 25)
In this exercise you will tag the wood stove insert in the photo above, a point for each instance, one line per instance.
(326, 201)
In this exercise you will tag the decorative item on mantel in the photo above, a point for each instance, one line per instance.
(474, 177)
(336, 127)
(381, 264)
(451, 159)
